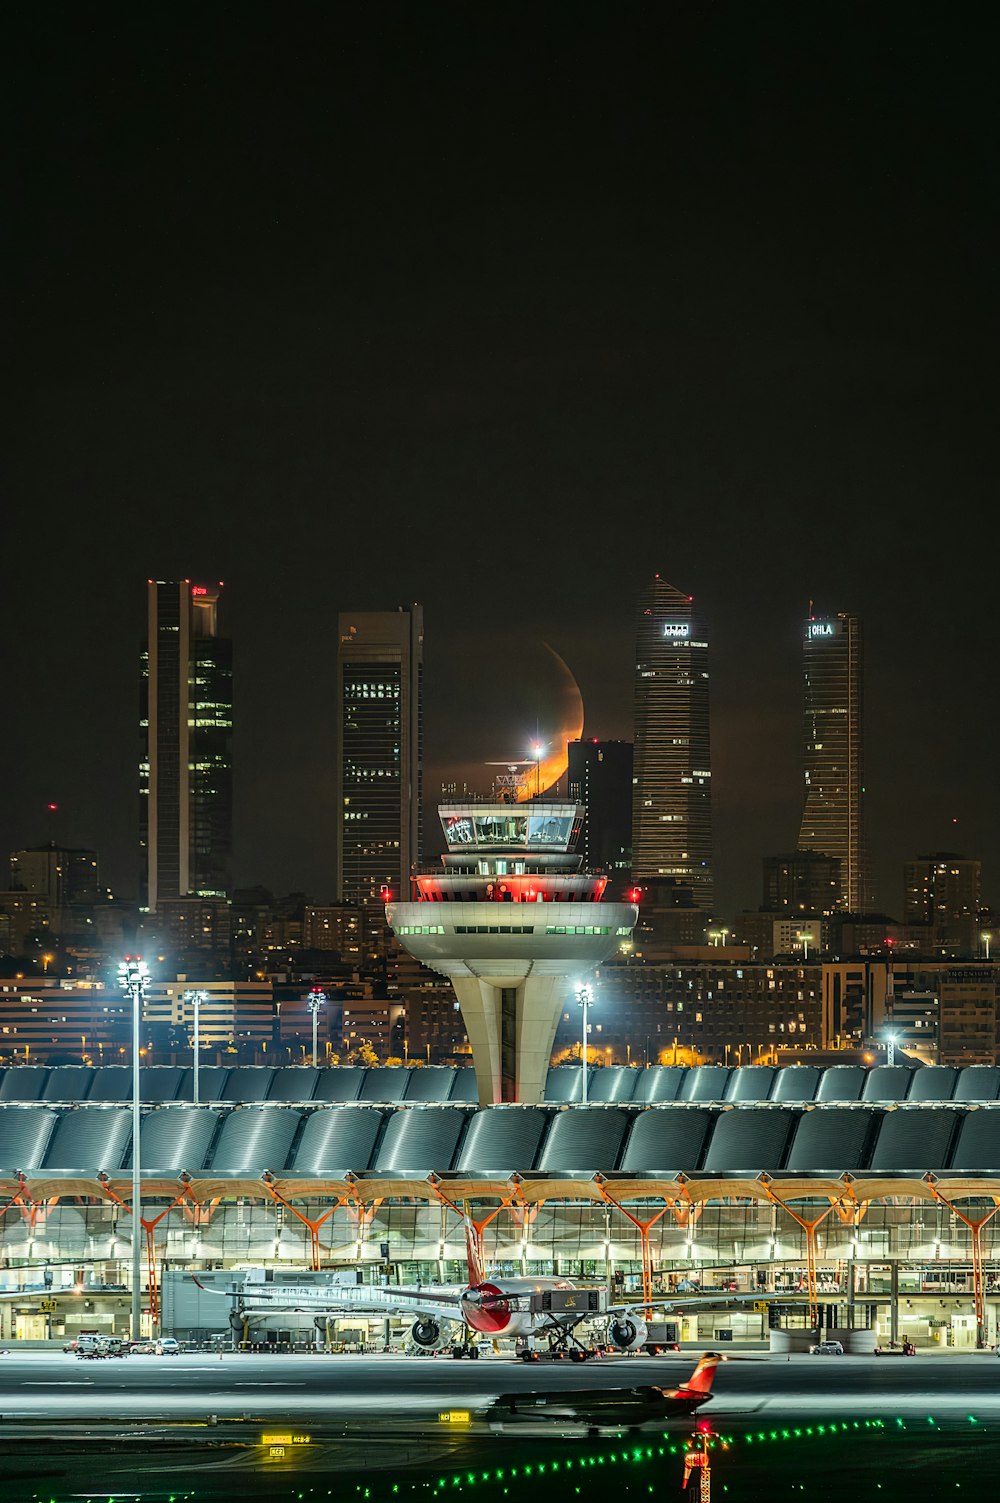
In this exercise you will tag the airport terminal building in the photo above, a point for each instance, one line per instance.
(845, 1197)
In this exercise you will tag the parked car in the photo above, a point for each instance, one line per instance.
(166, 1346)
(896, 1349)
(828, 1349)
(143, 1348)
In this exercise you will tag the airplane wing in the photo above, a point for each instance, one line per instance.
(437, 1302)
(664, 1304)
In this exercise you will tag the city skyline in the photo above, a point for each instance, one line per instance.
(534, 670)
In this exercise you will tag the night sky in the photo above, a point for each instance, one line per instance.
(502, 308)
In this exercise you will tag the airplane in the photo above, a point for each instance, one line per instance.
(602, 1408)
(526, 1310)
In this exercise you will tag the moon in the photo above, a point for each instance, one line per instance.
(552, 766)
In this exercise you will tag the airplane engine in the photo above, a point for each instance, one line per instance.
(428, 1335)
(627, 1333)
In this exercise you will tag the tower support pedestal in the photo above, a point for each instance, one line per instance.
(511, 1024)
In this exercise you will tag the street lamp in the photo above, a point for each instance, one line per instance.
(316, 999)
(133, 978)
(986, 937)
(196, 999)
(584, 995)
(805, 939)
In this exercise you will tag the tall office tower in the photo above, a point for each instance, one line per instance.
(834, 782)
(672, 772)
(186, 772)
(379, 752)
(944, 891)
(600, 778)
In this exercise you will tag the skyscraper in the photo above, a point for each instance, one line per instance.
(379, 752)
(833, 743)
(599, 776)
(672, 771)
(186, 772)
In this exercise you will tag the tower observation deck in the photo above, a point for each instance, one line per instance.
(514, 922)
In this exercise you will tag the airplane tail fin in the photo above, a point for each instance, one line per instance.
(703, 1376)
(476, 1274)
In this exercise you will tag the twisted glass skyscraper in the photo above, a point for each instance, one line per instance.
(832, 819)
(672, 770)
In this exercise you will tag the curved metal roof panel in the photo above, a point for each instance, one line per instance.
(745, 1141)
(337, 1140)
(888, 1083)
(705, 1084)
(977, 1083)
(612, 1083)
(163, 1083)
(914, 1138)
(24, 1133)
(176, 1138)
(68, 1083)
(112, 1083)
(431, 1083)
(23, 1083)
(91, 1137)
(420, 1138)
(796, 1083)
(660, 1083)
(502, 1139)
(584, 1138)
(255, 1138)
(832, 1140)
(841, 1083)
(293, 1083)
(246, 1083)
(563, 1084)
(666, 1141)
(384, 1083)
(750, 1083)
(211, 1083)
(978, 1146)
(339, 1083)
(465, 1087)
(933, 1083)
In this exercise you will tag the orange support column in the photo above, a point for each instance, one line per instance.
(644, 1224)
(315, 1254)
(975, 1225)
(149, 1225)
(809, 1225)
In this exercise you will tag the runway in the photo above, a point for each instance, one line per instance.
(390, 1389)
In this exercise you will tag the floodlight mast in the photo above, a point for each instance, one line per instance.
(196, 999)
(584, 995)
(133, 978)
(316, 999)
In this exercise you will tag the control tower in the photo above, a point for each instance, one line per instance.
(515, 924)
